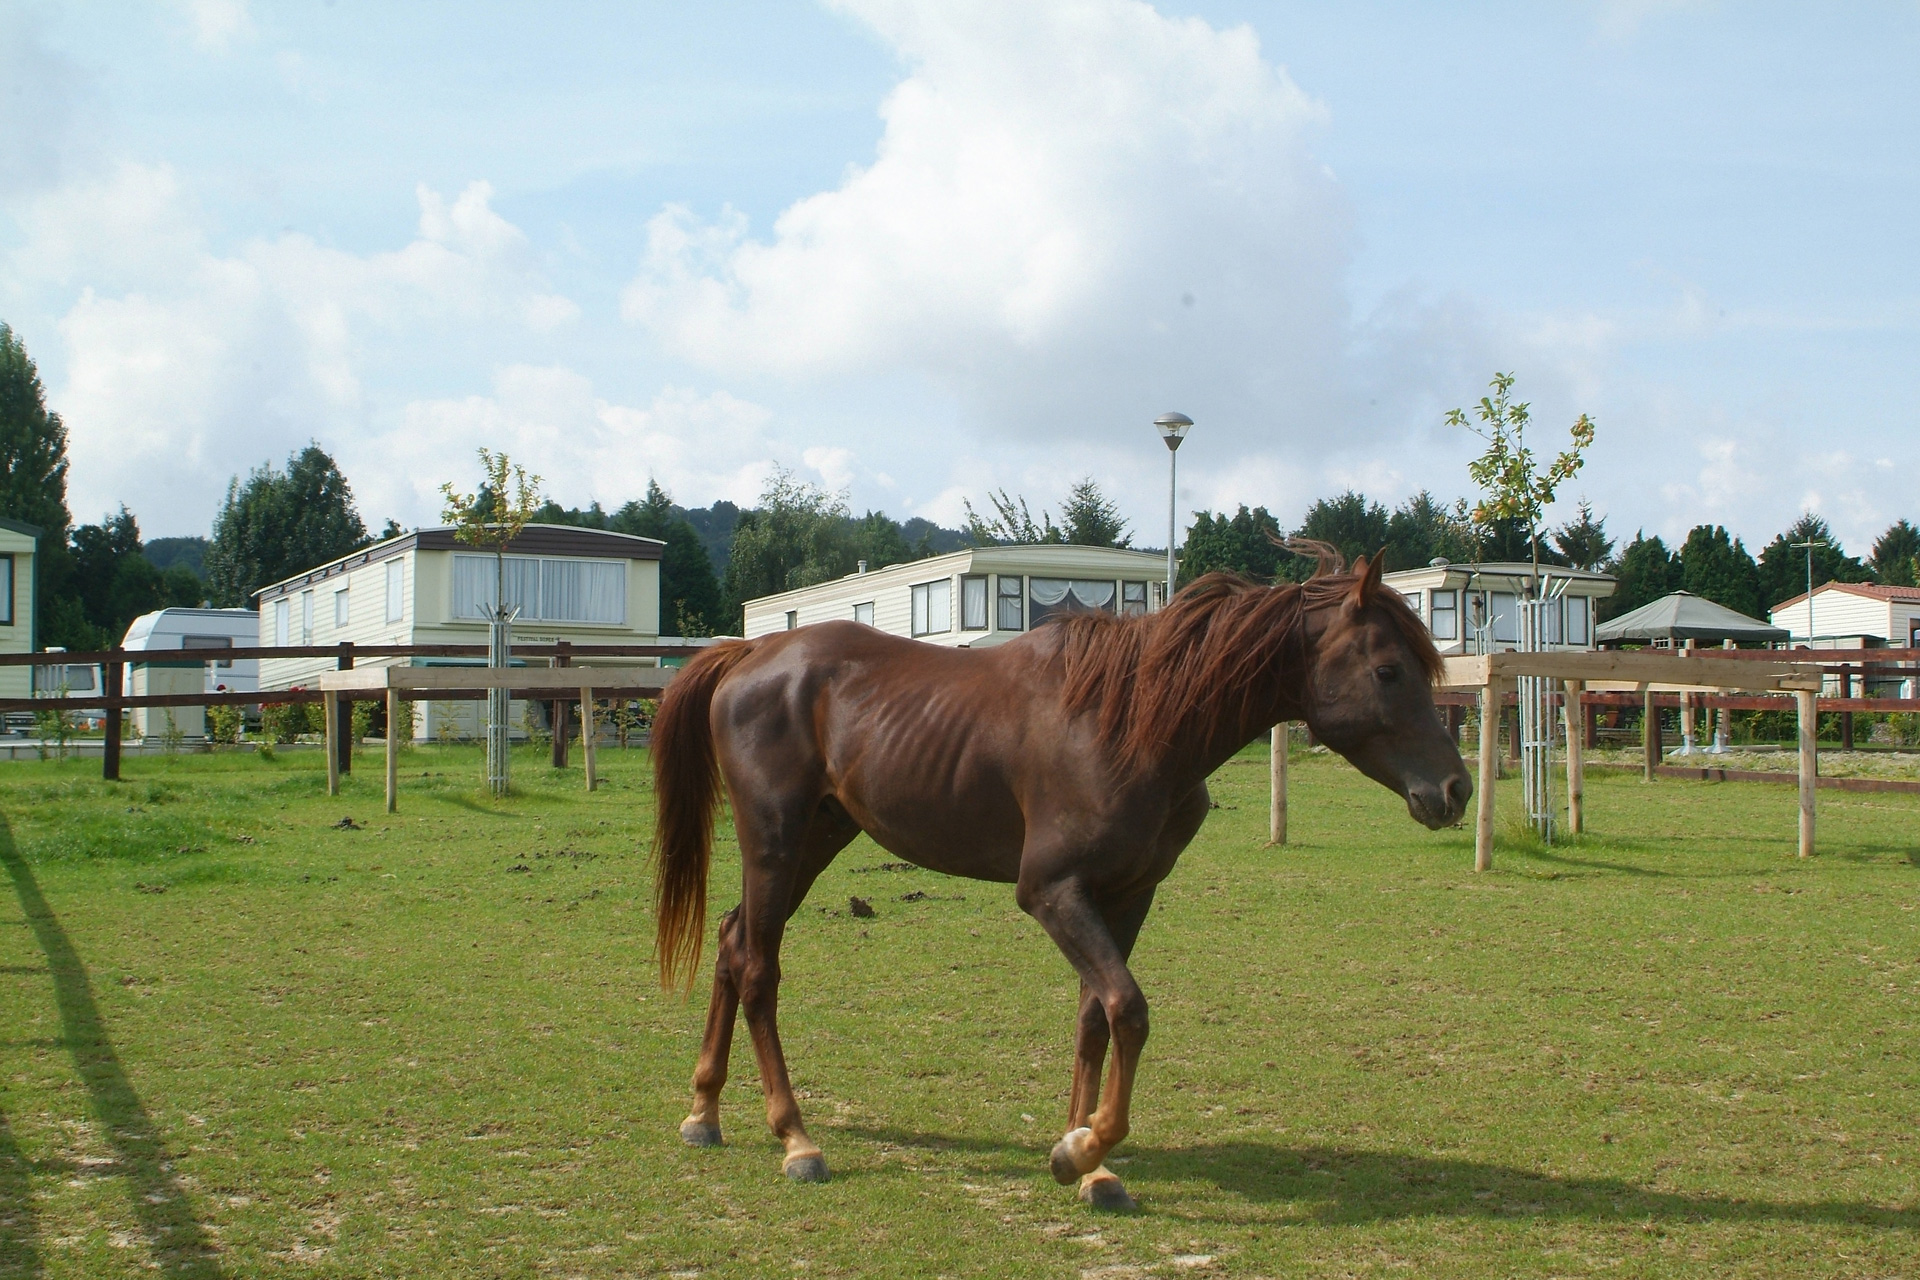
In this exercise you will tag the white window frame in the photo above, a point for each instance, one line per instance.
(863, 612)
(1135, 608)
(306, 617)
(282, 622)
(932, 608)
(535, 575)
(6, 591)
(1510, 618)
(396, 590)
(342, 609)
(793, 619)
(1443, 604)
(1017, 598)
(1580, 621)
(973, 584)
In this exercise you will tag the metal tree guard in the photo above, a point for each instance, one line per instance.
(1537, 720)
(499, 651)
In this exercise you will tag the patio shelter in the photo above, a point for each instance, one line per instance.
(1671, 621)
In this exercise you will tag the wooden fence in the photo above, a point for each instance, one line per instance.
(113, 698)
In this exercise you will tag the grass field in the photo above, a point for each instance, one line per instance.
(237, 1040)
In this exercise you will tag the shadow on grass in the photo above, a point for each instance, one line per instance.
(1335, 1185)
(19, 1231)
(178, 1242)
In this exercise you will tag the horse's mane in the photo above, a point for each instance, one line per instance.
(1186, 672)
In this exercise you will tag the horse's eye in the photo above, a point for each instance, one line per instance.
(1386, 675)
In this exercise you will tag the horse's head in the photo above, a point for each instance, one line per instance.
(1369, 696)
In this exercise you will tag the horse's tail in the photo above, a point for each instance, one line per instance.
(686, 783)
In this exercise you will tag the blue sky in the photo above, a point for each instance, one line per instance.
(921, 251)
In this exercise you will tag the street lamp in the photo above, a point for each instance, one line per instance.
(1809, 544)
(1173, 428)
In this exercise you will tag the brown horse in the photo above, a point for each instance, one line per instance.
(1070, 763)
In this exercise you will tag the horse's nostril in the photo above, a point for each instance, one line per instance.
(1459, 791)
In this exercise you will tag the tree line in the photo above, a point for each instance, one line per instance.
(280, 521)
(1710, 563)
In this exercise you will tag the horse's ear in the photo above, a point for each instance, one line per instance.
(1367, 573)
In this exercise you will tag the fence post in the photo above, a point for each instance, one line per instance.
(332, 707)
(1576, 714)
(558, 718)
(1489, 773)
(344, 712)
(1650, 736)
(393, 749)
(1277, 786)
(586, 736)
(1809, 765)
(1846, 717)
(113, 674)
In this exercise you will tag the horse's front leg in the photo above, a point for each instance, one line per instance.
(1087, 938)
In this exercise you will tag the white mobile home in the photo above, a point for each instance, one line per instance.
(19, 545)
(975, 598)
(1853, 612)
(1475, 608)
(177, 629)
(585, 586)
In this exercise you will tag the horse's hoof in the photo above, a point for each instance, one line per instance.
(1103, 1191)
(811, 1168)
(1067, 1156)
(699, 1133)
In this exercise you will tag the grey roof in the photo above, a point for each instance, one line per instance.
(1685, 616)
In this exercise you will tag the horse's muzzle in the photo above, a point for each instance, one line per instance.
(1440, 804)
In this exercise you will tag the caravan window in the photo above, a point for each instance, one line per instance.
(282, 612)
(1577, 609)
(1009, 597)
(544, 589)
(933, 607)
(341, 615)
(863, 613)
(306, 617)
(1505, 607)
(1133, 598)
(1444, 620)
(6, 591)
(209, 642)
(1049, 596)
(973, 604)
(396, 596)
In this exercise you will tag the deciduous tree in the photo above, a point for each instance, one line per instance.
(1512, 483)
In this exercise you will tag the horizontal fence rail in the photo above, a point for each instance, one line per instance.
(112, 699)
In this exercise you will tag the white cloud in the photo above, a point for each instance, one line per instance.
(1080, 214)
(40, 102)
(584, 448)
(219, 24)
(184, 366)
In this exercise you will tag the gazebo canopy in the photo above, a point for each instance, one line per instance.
(1685, 616)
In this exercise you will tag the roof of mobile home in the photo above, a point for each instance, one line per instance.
(534, 540)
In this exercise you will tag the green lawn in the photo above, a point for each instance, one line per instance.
(238, 1040)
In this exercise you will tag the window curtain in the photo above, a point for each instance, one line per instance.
(1049, 596)
(544, 590)
(472, 586)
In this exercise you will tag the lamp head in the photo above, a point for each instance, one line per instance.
(1173, 428)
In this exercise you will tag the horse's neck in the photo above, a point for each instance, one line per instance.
(1275, 691)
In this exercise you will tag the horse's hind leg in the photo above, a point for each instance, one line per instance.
(782, 854)
(702, 1127)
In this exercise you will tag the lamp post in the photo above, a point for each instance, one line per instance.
(1809, 544)
(1173, 428)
